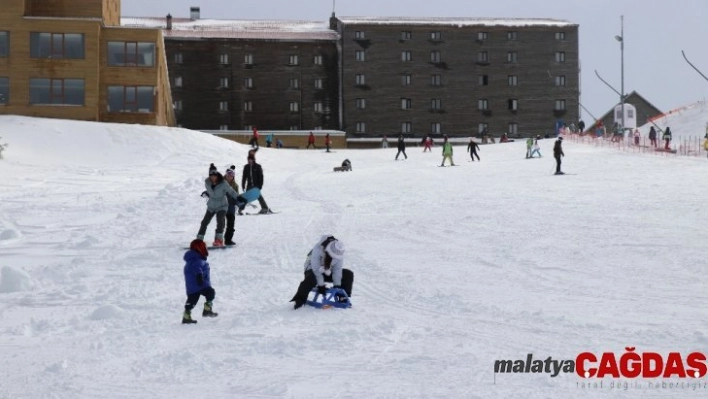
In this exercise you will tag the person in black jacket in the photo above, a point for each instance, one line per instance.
(472, 149)
(558, 153)
(253, 177)
(401, 147)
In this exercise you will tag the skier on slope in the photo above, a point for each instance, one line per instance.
(216, 190)
(401, 147)
(447, 152)
(251, 177)
(472, 148)
(324, 263)
(197, 281)
(558, 153)
(536, 149)
(230, 177)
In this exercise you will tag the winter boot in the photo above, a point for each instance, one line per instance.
(265, 211)
(207, 310)
(218, 242)
(187, 318)
(229, 243)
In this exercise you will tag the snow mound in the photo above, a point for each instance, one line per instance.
(108, 312)
(14, 280)
(9, 234)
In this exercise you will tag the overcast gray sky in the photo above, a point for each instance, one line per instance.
(655, 33)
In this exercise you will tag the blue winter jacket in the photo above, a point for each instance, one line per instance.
(195, 265)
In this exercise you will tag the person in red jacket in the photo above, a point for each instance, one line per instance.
(311, 141)
(254, 139)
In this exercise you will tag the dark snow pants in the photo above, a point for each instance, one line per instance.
(399, 153)
(230, 220)
(310, 282)
(220, 217)
(193, 299)
(473, 153)
(558, 163)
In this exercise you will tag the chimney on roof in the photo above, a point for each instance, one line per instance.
(333, 22)
(169, 21)
(194, 13)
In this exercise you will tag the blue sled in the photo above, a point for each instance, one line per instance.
(329, 300)
(247, 197)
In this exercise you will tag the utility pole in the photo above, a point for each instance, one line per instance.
(620, 39)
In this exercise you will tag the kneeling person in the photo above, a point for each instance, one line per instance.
(325, 263)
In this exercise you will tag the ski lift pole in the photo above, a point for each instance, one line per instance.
(693, 66)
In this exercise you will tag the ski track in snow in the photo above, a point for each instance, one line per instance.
(454, 268)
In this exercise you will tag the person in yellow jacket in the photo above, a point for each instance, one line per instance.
(705, 144)
(447, 152)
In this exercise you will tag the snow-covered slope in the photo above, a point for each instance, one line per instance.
(687, 122)
(454, 268)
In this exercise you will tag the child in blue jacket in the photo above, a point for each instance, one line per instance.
(197, 281)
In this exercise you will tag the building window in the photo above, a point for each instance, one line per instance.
(511, 56)
(482, 36)
(560, 80)
(248, 83)
(435, 80)
(318, 60)
(560, 105)
(178, 58)
(360, 80)
(4, 90)
(360, 55)
(483, 105)
(406, 56)
(178, 81)
(294, 106)
(294, 60)
(319, 107)
(483, 56)
(131, 99)
(406, 80)
(359, 35)
(57, 91)
(513, 104)
(294, 83)
(360, 103)
(512, 35)
(177, 105)
(248, 127)
(248, 106)
(406, 35)
(317, 128)
(406, 127)
(435, 36)
(436, 104)
(435, 56)
(361, 127)
(560, 56)
(291, 128)
(436, 128)
(224, 127)
(131, 54)
(483, 80)
(513, 80)
(483, 128)
(224, 83)
(4, 44)
(406, 103)
(248, 59)
(57, 45)
(560, 35)
(223, 105)
(318, 84)
(224, 58)
(513, 128)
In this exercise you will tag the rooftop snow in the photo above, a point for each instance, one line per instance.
(237, 29)
(455, 21)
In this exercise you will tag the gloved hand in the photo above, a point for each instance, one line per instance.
(200, 279)
(205, 194)
(322, 289)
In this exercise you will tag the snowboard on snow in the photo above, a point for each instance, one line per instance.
(214, 248)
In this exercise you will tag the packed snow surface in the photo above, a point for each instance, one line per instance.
(454, 268)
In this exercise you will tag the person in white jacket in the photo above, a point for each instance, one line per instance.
(324, 263)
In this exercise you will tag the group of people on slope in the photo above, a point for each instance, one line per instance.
(311, 142)
(533, 147)
(427, 141)
(269, 140)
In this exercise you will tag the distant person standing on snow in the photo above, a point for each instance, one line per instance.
(652, 136)
(667, 138)
(705, 145)
(328, 142)
(581, 126)
(384, 142)
(558, 153)
(472, 149)
(269, 140)
(254, 138)
(311, 141)
(536, 149)
(428, 143)
(230, 177)
(216, 190)
(401, 147)
(529, 146)
(447, 152)
(637, 136)
(253, 177)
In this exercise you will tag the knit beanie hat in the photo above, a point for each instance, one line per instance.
(212, 170)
